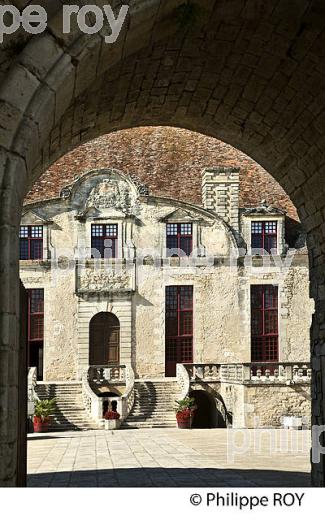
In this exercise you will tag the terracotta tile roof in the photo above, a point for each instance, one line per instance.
(169, 160)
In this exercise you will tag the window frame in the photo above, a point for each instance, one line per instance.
(113, 237)
(36, 342)
(263, 336)
(32, 241)
(179, 237)
(174, 343)
(264, 235)
(38, 313)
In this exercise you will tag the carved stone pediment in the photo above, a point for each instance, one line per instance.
(110, 193)
(179, 215)
(104, 280)
(32, 218)
(182, 215)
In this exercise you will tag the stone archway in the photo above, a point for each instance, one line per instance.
(250, 74)
(206, 414)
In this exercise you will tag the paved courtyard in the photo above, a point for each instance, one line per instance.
(169, 458)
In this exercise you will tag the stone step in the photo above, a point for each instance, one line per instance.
(69, 413)
(156, 396)
(69, 402)
(161, 417)
(58, 390)
(155, 420)
(138, 426)
(156, 389)
(67, 407)
(75, 423)
(162, 402)
(71, 417)
(156, 384)
(71, 427)
(154, 405)
(59, 395)
(68, 388)
(156, 411)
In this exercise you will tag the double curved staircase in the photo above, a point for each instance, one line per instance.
(142, 403)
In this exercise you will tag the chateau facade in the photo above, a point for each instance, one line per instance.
(117, 276)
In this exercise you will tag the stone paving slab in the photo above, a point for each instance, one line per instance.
(169, 458)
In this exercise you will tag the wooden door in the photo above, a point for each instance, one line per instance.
(104, 340)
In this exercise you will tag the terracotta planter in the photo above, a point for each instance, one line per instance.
(112, 424)
(184, 423)
(41, 426)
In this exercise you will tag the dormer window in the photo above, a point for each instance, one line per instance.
(31, 242)
(179, 240)
(104, 240)
(264, 236)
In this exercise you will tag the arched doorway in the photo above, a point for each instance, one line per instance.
(104, 339)
(206, 414)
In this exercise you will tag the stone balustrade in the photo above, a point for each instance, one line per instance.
(31, 394)
(205, 372)
(127, 399)
(107, 375)
(183, 374)
(278, 372)
(101, 374)
(285, 372)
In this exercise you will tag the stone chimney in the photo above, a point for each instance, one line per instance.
(220, 193)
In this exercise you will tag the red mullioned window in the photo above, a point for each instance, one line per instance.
(36, 314)
(179, 327)
(264, 323)
(264, 235)
(36, 329)
(179, 237)
(104, 239)
(31, 242)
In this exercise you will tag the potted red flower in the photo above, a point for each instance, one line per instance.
(43, 409)
(185, 412)
(112, 419)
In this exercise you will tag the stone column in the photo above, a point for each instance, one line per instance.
(318, 383)
(11, 196)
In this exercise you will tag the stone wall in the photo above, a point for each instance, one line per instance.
(266, 405)
(258, 405)
(263, 405)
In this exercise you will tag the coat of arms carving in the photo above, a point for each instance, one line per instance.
(112, 194)
(101, 281)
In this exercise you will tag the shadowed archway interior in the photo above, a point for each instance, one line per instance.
(206, 414)
(249, 73)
